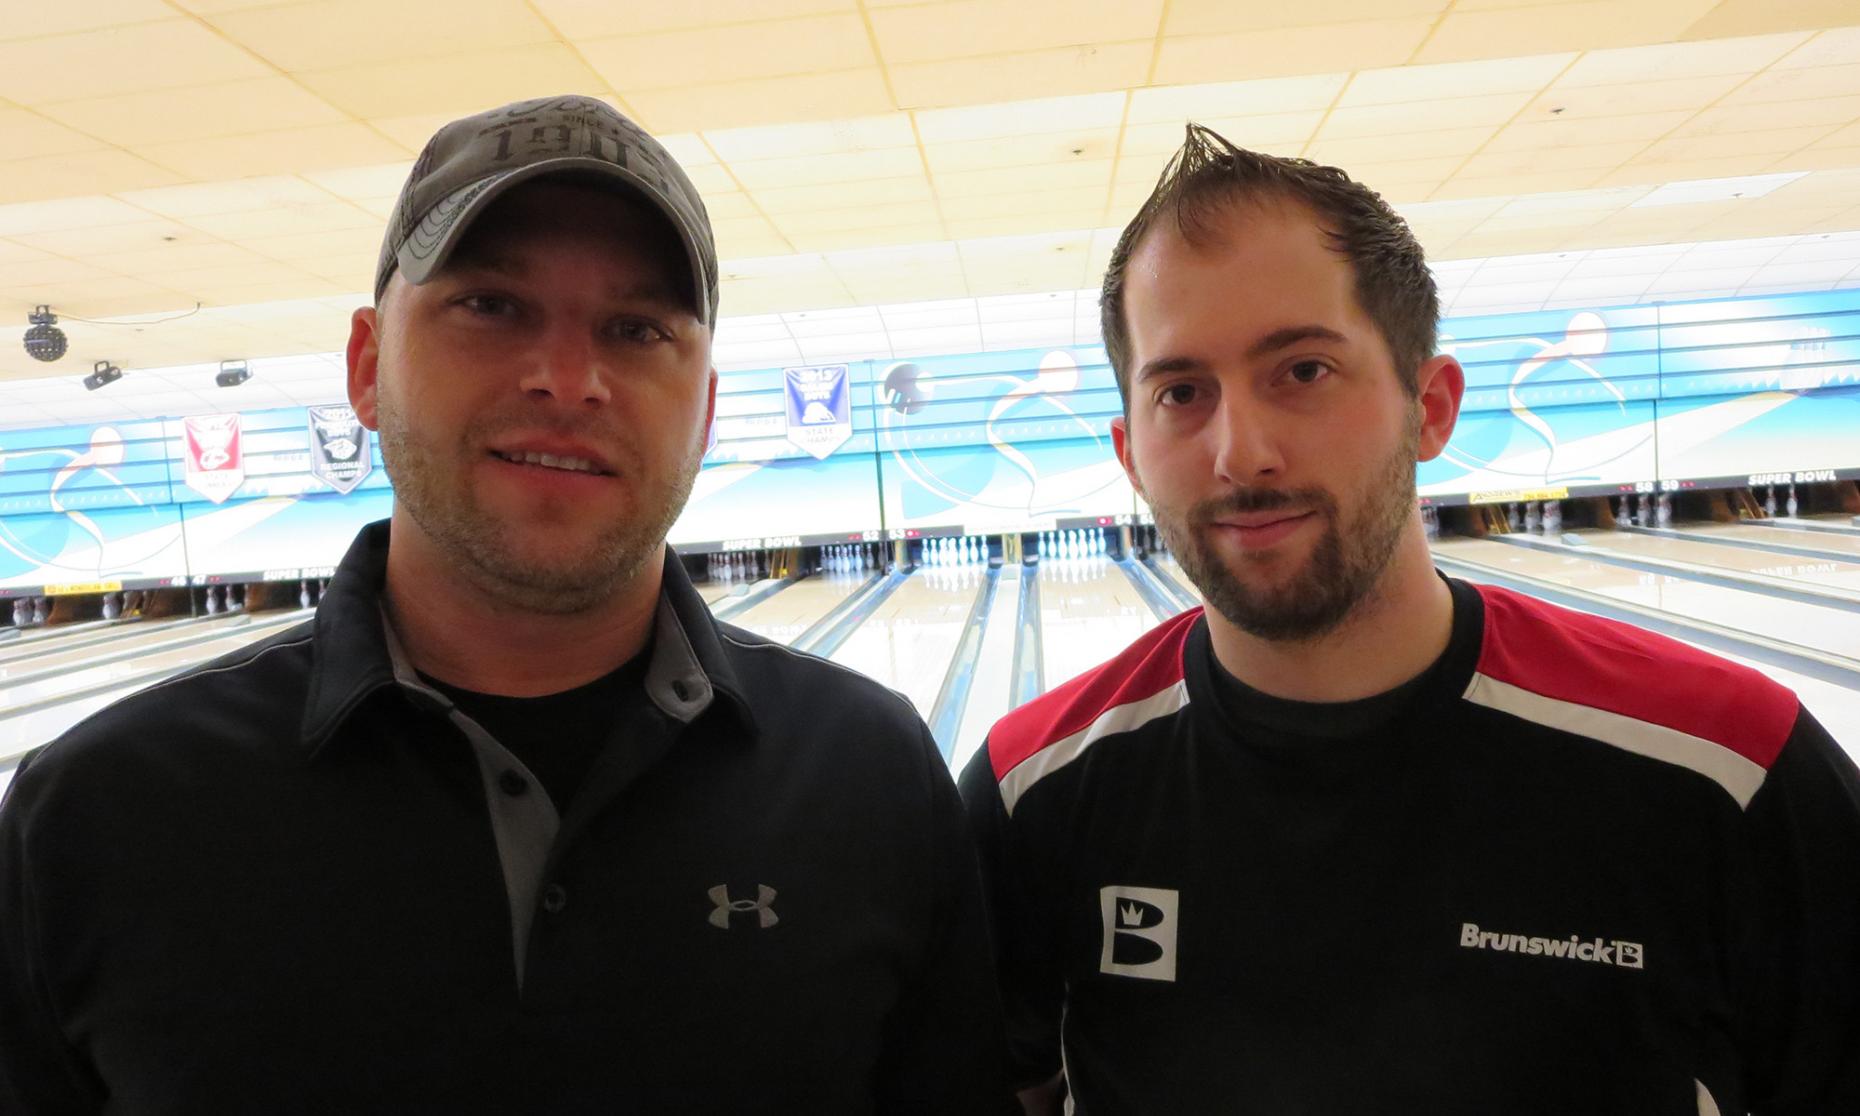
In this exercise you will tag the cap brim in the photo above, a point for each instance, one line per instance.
(430, 244)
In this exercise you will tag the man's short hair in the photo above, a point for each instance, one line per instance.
(1209, 174)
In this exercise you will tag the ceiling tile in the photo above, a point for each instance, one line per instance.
(379, 180)
(1459, 112)
(1731, 119)
(1027, 181)
(1505, 186)
(363, 244)
(196, 112)
(1020, 118)
(593, 19)
(1662, 61)
(1542, 135)
(1176, 103)
(764, 101)
(271, 153)
(1837, 46)
(98, 240)
(855, 192)
(1467, 33)
(28, 21)
(25, 134)
(460, 84)
(933, 32)
(284, 220)
(412, 131)
(809, 45)
(1689, 94)
(245, 195)
(1291, 50)
(154, 265)
(826, 170)
(1088, 200)
(1797, 85)
(1019, 77)
(1491, 162)
(120, 60)
(1415, 145)
(67, 213)
(1279, 134)
(82, 172)
(733, 204)
(828, 137)
(1206, 17)
(1058, 146)
(1399, 84)
(862, 217)
(1748, 143)
(337, 34)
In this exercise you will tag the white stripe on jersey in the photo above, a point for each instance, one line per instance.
(1118, 718)
(1738, 776)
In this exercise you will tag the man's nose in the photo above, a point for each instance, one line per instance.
(568, 367)
(1247, 449)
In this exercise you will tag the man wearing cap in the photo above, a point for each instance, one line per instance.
(513, 824)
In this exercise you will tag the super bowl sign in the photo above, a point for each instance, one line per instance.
(819, 408)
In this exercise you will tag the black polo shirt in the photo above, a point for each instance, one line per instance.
(297, 880)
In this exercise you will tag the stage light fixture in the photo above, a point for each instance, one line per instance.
(44, 340)
(232, 373)
(103, 374)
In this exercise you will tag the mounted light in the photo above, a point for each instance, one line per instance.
(44, 340)
(102, 375)
(232, 373)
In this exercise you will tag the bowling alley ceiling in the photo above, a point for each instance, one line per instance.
(242, 155)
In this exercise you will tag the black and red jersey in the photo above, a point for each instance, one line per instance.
(1573, 868)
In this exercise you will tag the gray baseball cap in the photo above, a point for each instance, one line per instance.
(470, 162)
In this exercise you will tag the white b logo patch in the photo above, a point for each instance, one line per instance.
(1139, 932)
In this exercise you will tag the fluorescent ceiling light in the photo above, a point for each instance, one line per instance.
(1716, 189)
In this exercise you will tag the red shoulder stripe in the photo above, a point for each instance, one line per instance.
(1603, 664)
(1149, 665)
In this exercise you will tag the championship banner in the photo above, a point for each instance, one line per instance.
(340, 454)
(215, 460)
(819, 408)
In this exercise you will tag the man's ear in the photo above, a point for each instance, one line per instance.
(1439, 384)
(1120, 442)
(364, 364)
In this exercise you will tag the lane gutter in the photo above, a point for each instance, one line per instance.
(1029, 670)
(831, 630)
(1724, 579)
(953, 698)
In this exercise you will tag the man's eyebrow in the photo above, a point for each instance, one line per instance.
(1271, 343)
(1292, 335)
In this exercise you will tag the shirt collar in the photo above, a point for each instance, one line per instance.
(355, 654)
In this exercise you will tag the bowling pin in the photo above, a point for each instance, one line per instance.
(1533, 518)
(1792, 507)
(1769, 499)
(41, 611)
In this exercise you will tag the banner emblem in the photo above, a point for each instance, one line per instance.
(215, 458)
(340, 453)
(819, 408)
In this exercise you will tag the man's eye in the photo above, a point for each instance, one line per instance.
(1309, 371)
(489, 306)
(1177, 395)
(637, 332)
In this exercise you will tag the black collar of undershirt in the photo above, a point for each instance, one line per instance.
(351, 660)
(1262, 717)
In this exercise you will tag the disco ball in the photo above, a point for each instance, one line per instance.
(45, 342)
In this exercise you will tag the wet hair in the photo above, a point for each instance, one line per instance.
(1209, 175)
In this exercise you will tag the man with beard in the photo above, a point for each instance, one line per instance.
(1360, 838)
(514, 825)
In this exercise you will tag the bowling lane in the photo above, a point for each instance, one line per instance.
(168, 661)
(1777, 536)
(991, 689)
(1812, 572)
(1790, 621)
(44, 642)
(1089, 612)
(130, 640)
(793, 610)
(907, 643)
(714, 591)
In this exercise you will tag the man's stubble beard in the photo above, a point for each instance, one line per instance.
(1342, 573)
(483, 548)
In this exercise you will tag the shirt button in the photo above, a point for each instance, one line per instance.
(554, 897)
(512, 783)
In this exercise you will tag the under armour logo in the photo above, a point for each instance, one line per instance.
(762, 904)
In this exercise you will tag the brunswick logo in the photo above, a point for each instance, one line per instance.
(1596, 951)
(1139, 932)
